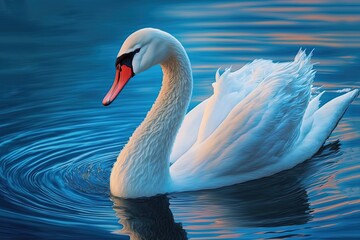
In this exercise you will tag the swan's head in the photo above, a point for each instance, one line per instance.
(141, 50)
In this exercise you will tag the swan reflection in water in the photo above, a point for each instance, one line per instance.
(147, 218)
(279, 200)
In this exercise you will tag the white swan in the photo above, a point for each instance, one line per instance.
(259, 121)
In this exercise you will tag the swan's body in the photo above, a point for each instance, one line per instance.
(259, 121)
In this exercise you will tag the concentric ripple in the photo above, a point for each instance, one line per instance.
(59, 175)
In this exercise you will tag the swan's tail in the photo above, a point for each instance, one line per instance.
(330, 114)
(319, 123)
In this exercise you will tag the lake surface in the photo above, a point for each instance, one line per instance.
(58, 142)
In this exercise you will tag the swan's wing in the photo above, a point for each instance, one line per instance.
(188, 131)
(229, 89)
(255, 134)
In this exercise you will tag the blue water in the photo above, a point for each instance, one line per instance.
(58, 143)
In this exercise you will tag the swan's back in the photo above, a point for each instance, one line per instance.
(259, 121)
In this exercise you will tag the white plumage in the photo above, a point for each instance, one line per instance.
(259, 121)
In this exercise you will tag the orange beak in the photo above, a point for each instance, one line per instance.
(122, 76)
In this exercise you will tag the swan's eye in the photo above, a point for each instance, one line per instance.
(126, 58)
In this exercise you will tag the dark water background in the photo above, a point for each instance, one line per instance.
(58, 143)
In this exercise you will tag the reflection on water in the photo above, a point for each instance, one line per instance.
(272, 202)
(148, 218)
(279, 200)
(58, 143)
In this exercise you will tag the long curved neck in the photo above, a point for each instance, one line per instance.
(163, 120)
(143, 164)
(158, 130)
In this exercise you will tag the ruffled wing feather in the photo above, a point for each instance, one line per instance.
(259, 121)
(255, 131)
